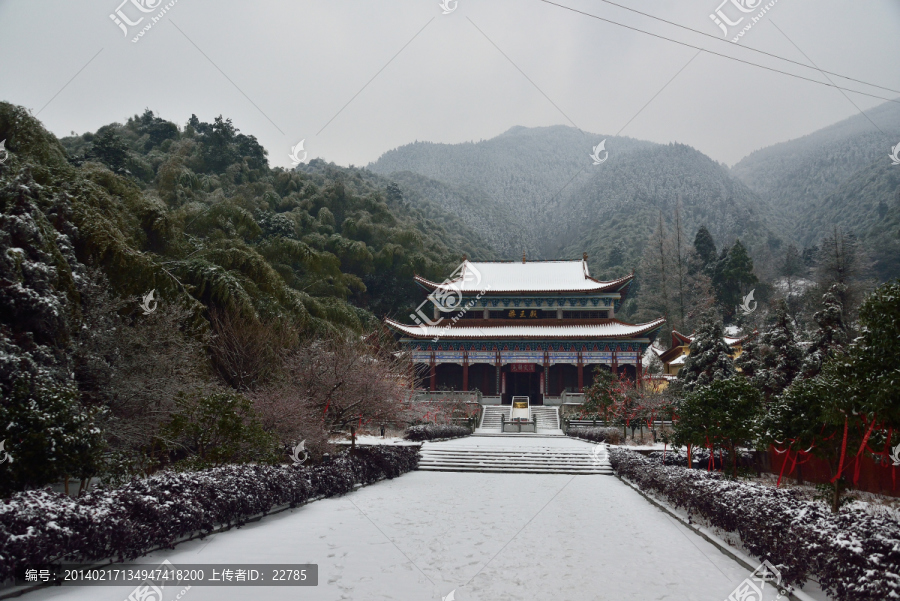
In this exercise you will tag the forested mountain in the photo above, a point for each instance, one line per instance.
(838, 176)
(554, 201)
(612, 214)
(800, 172)
(495, 222)
(145, 264)
(866, 205)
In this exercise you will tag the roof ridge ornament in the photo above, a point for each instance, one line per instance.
(523, 256)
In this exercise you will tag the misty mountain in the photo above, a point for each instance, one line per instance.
(838, 176)
(612, 214)
(866, 205)
(541, 192)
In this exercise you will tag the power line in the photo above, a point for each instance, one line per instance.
(703, 33)
(713, 52)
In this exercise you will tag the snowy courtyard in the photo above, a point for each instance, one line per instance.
(484, 536)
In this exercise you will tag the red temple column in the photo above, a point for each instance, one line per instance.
(615, 363)
(465, 371)
(433, 374)
(546, 376)
(580, 373)
(639, 369)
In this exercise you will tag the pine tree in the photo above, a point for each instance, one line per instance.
(773, 362)
(831, 337)
(655, 272)
(790, 268)
(842, 261)
(709, 358)
(705, 249)
(733, 277)
(680, 274)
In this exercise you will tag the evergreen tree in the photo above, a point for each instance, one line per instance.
(842, 261)
(733, 277)
(773, 362)
(721, 415)
(790, 268)
(831, 337)
(704, 249)
(709, 358)
(110, 150)
(804, 420)
(868, 372)
(656, 276)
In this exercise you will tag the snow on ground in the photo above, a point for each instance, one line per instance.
(487, 536)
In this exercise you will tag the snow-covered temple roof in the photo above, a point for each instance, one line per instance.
(610, 328)
(526, 277)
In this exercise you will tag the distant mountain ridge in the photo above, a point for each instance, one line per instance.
(838, 176)
(535, 190)
(554, 202)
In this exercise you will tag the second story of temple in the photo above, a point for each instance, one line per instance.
(535, 293)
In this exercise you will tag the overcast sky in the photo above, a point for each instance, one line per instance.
(285, 70)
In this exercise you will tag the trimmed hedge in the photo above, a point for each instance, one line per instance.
(854, 555)
(700, 459)
(434, 431)
(610, 435)
(40, 527)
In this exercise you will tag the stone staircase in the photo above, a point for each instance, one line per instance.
(547, 417)
(490, 420)
(586, 460)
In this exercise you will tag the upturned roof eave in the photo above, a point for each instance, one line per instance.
(643, 331)
(612, 286)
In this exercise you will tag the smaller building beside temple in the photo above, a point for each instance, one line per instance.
(673, 359)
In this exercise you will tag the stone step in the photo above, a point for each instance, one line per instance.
(518, 470)
(539, 460)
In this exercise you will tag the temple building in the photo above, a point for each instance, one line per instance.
(531, 329)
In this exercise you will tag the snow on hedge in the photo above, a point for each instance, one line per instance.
(435, 431)
(40, 527)
(855, 556)
(593, 434)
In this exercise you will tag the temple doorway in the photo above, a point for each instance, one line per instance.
(523, 379)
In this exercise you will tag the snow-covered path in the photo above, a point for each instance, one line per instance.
(489, 537)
